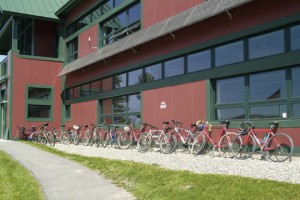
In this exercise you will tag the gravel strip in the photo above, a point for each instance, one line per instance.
(203, 164)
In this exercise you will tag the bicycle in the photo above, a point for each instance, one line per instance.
(187, 141)
(111, 136)
(22, 133)
(164, 138)
(93, 137)
(223, 143)
(58, 133)
(45, 137)
(278, 146)
(131, 135)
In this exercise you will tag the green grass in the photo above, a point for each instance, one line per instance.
(16, 183)
(153, 182)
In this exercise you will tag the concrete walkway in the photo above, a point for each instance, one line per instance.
(61, 178)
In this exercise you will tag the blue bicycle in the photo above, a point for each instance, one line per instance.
(111, 136)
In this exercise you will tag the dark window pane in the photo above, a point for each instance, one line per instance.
(296, 110)
(232, 113)
(135, 77)
(120, 104)
(135, 119)
(107, 105)
(267, 44)
(230, 53)
(134, 103)
(199, 61)
(296, 82)
(69, 94)
(120, 120)
(174, 67)
(120, 81)
(68, 111)
(107, 84)
(230, 90)
(85, 90)
(95, 87)
(266, 86)
(134, 14)
(39, 111)
(295, 38)
(273, 111)
(152, 73)
(39, 93)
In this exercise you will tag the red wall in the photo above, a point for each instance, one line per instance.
(36, 72)
(83, 41)
(79, 9)
(157, 10)
(185, 103)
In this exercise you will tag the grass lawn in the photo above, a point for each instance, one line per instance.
(153, 182)
(16, 182)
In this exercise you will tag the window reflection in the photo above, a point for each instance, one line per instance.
(232, 113)
(230, 90)
(295, 38)
(266, 86)
(272, 111)
(120, 104)
(39, 93)
(120, 81)
(199, 61)
(174, 67)
(95, 87)
(85, 90)
(152, 73)
(135, 77)
(107, 84)
(134, 104)
(230, 53)
(296, 110)
(296, 82)
(38, 111)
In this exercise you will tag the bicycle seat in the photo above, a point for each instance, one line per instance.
(166, 122)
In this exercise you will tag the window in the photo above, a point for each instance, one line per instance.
(121, 25)
(120, 81)
(67, 111)
(199, 61)
(266, 45)
(152, 73)
(85, 90)
(174, 67)
(107, 84)
(295, 38)
(72, 50)
(25, 35)
(229, 54)
(264, 95)
(267, 86)
(135, 77)
(95, 87)
(39, 103)
(120, 109)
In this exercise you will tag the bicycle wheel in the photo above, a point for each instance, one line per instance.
(281, 147)
(42, 138)
(106, 139)
(76, 138)
(66, 138)
(51, 139)
(144, 142)
(198, 144)
(243, 147)
(34, 137)
(125, 140)
(167, 143)
(86, 138)
(225, 144)
(97, 138)
(190, 141)
(19, 135)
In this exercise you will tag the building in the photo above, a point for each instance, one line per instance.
(149, 60)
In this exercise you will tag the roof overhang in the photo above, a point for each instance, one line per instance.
(5, 34)
(186, 18)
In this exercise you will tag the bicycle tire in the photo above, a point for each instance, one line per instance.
(243, 150)
(86, 138)
(51, 139)
(144, 142)
(42, 138)
(281, 150)
(125, 140)
(167, 143)
(106, 138)
(34, 137)
(190, 141)
(198, 144)
(66, 138)
(76, 138)
(225, 144)
(19, 135)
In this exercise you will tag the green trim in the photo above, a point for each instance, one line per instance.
(209, 94)
(48, 102)
(10, 88)
(40, 58)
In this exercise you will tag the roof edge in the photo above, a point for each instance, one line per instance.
(67, 7)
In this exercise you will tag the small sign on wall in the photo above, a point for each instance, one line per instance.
(163, 105)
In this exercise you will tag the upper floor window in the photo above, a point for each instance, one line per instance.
(199, 61)
(121, 25)
(25, 35)
(295, 38)
(229, 54)
(72, 50)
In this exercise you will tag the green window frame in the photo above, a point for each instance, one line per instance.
(72, 50)
(25, 36)
(39, 103)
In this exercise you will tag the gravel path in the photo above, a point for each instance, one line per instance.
(206, 164)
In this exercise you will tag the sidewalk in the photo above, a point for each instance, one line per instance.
(61, 178)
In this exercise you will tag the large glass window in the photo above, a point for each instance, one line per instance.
(39, 103)
(72, 50)
(230, 90)
(85, 90)
(270, 111)
(295, 38)
(152, 73)
(107, 84)
(296, 110)
(266, 45)
(95, 87)
(230, 113)
(135, 77)
(25, 35)
(174, 67)
(120, 81)
(229, 54)
(199, 61)
(134, 103)
(267, 86)
(296, 82)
